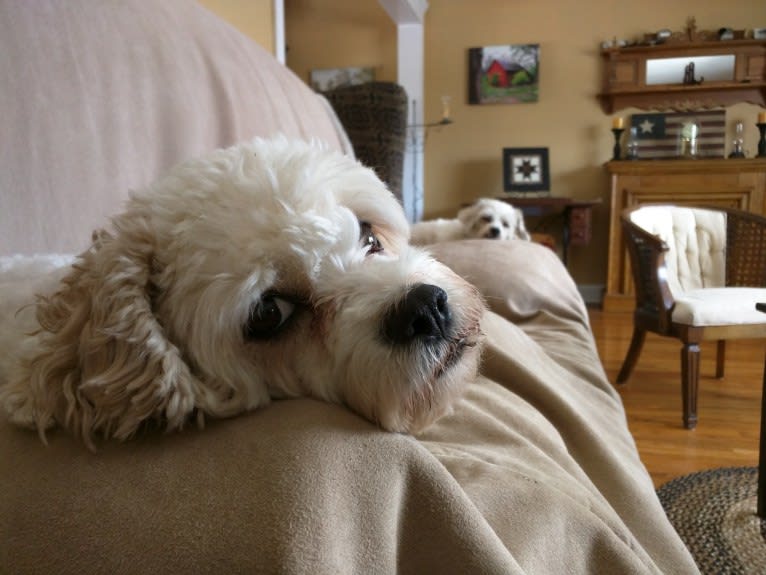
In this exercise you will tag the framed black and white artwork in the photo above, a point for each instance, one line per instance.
(525, 170)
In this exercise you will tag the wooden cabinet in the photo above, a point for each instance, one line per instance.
(580, 226)
(628, 78)
(576, 216)
(739, 183)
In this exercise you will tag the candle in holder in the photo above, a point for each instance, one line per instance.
(617, 130)
(762, 117)
(445, 108)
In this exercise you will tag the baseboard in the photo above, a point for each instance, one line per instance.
(592, 294)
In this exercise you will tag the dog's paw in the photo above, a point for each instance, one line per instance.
(19, 406)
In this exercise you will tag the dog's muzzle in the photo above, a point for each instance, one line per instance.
(422, 315)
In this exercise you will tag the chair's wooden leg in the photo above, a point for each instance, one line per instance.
(720, 358)
(690, 366)
(636, 343)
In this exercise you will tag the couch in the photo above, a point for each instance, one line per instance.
(535, 471)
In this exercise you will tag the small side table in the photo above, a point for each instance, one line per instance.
(576, 228)
(761, 509)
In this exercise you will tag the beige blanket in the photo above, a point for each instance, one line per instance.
(535, 472)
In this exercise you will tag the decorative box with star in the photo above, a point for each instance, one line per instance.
(525, 170)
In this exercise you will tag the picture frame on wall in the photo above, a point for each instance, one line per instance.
(504, 74)
(526, 170)
(323, 80)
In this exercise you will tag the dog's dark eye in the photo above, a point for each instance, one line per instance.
(369, 239)
(486, 219)
(506, 224)
(268, 316)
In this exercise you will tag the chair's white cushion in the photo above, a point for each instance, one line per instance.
(697, 241)
(719, 306)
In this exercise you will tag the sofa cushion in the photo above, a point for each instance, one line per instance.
(534, 472)
(102, 97)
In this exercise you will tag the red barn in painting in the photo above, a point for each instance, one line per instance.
(497, 75)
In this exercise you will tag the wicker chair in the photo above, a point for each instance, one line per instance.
(374, 116)
(698, 273)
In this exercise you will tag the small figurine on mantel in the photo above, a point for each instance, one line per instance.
(691, 28)
(690, 34)
(689, 78)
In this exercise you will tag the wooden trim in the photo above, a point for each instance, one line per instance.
(684, 166)
(719, 332)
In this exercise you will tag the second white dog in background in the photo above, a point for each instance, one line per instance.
(485, 218)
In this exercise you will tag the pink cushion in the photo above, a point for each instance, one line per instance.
(101, 97)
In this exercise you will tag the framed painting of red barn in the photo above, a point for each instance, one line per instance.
(506, 74)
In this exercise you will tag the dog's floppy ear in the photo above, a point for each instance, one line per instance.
(467, 214)
(521, 229)
(105, 364)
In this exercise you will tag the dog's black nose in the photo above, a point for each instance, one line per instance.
(422, 314)
(494, 232)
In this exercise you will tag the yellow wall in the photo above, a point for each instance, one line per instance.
(464, 161)
(252, 17)
(340, 34)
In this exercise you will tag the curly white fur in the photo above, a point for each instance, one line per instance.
(486, 218)
(154, 323)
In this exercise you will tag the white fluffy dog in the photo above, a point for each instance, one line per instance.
(271, 269)
(485, 218)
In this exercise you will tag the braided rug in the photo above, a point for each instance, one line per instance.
(714, 512)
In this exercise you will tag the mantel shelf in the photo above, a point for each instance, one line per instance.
(680, 97)
(700, 45)
(625, 76)
(686, 166)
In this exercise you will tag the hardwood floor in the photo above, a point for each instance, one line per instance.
(727, 432)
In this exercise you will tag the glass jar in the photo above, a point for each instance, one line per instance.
(688, 139)
(738, 145)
